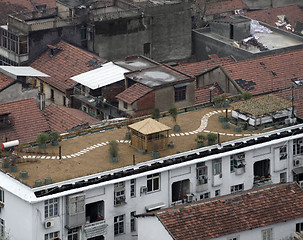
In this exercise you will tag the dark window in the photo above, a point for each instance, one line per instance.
(119, 225)
(52, 94)
(125, 105)
(153, 182)
(132, 222)
(64, 101)
(146, 49)
(299, 227)
(180, 94)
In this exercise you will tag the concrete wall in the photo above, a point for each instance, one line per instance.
(15, 93)
(217, 75)
(165, 97)
(262, 4)
(150, 228)
(171, 31)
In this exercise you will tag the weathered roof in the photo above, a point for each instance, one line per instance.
(202, 95)
(105, 75)
(14, 71)
(259, 106)
(67, 62)
(223, 6)
(8, 7)
(26, 121)
(221, 216)
(196, 68)
(5, 80)
(134, 93)
(62, 119)
(292, 13)
(149, 126)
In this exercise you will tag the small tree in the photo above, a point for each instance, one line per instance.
(174, 113)
(156, 113)
(200, 140)
(54, 137)
(246, 95)
(113, 148)
(211, 137)
(42, 138)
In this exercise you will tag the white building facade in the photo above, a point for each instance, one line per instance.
(104, 205)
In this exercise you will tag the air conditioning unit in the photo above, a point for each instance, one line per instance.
(301, 184)
(190, 197)
(202, 179)
(49, 223)
(297, 162)
(143, 189)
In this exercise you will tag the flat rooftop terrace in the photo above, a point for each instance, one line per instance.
(89, 154)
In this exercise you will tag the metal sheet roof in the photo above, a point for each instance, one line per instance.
(14, 72)
(107, 74)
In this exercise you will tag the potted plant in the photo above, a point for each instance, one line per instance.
(211, 137)
(42, 138)
(200, 140)
(174, 113)
(13, 167)
(54, 137)
(217, 101)
(5, 162)
(113, 151)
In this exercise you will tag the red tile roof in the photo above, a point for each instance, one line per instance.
(16, 6)
(5, 80)
(202, 95)
(27, 121)
(293, 14)
(62, 119)
(221, 216)
(133, 93)
(224, 6)
(68, 62)
(196, 68)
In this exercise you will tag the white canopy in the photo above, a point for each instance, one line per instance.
(107, 74)
(15, 71)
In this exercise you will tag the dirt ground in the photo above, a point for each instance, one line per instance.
(98, 160)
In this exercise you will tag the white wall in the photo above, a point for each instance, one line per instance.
(150, 228)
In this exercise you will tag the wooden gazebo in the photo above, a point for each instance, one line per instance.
(149, 135)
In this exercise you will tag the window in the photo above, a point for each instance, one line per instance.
(119, 193)
(202, 173)
(52, 94)
(204, 195)
(153, 182)
(51, 236)
(298, 146)
(180, 93)
(217, 166)
(233, 238)
(146, 49)
(283, 153)
(237, 161)
(2, 228)
(76, 204)
(72, 234)
(132, 222)
(133, 187)
(51, 207)
(283, 178)
(266, 234)
(119, 225)
(1, 197)
(64, 101)
(83, 32)
(299, 227)
(217, 193)
(125, 105)
(237, 188)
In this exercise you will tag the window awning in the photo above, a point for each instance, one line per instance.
(298, 170)
(181, 85)
(154, 206)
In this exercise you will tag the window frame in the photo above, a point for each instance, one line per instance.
(133, 188)
(51, 236)
(51, 209)
(217, 193)
(119, 193)
(153, 178)
(204, 195)
(217, 170)
(299, 227)
(202, 173)
(237, 188)
(268, 234)
(119, 225)
(1, 197)
(133, 222)
(180, 93)
(71, 233)
(2, 227)
(283, 152)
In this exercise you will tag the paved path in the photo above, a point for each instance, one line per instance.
(202, 128)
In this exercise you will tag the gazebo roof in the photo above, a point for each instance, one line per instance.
(262, 105)
(149, 126)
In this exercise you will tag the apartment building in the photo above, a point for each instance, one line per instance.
(103, 205)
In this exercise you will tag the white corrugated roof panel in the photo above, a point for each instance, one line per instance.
(107, 74)
(15, 71)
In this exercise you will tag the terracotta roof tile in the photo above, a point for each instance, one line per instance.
(293, 14)
(16, 6)
(27, 121)
(212, 218)
(68, 62)
(224, 6)
(62, 119)
(196, 68)
(5, 80)
(202, 95)
(133, 93)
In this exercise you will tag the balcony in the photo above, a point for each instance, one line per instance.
(95, 229)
